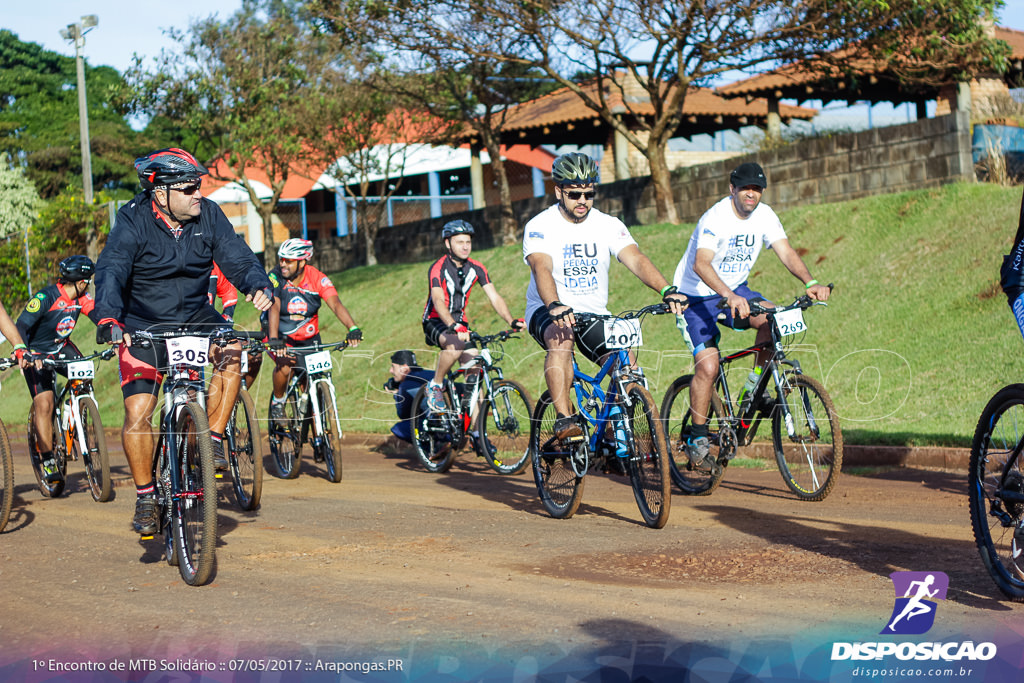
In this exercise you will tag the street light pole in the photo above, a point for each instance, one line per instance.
(76, 33)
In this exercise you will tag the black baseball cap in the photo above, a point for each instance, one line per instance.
(404, 357)
(748, 173)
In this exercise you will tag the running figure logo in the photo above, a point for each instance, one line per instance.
(916, 592)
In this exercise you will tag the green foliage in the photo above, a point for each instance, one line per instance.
(19, 201)
(39, 125)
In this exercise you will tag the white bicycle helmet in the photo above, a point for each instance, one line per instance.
(295, 249)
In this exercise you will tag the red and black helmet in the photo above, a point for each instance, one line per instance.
(168, 167)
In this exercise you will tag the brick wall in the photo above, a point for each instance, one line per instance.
(911, 156)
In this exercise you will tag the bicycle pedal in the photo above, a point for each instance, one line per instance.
(218, 475)
(146, 538)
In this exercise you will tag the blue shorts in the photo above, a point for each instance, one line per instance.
(699, 322)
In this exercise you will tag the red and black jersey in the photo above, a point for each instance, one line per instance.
(50, 316)
(456, 282)
(301, 302)
(221, 289)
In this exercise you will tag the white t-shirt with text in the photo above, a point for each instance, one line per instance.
(736, 242)
(580, 255)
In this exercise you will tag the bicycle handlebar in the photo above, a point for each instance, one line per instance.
(221, 336)
(653, 309)
(803, 302)
(485, 340)
(62, 361)
(332, 346)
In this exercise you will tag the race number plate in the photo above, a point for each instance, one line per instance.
(790, 322)
(622, 334)
(81, 369)
(188, 351)
(318, 362)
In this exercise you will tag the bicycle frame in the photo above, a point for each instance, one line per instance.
(182, 384)
(304, 383)
(66, 405)
(589, 400)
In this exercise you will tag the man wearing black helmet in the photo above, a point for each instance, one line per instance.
(719, 257)
(569, 248)
(153, 274)
(46, 325)
(444, 317)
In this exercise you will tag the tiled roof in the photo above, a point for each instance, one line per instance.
(792, 75)
(565, 106)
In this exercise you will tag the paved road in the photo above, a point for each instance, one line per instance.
(464, 574)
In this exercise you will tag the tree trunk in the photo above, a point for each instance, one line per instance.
(269, 253)
(664, 202)
(507, 228)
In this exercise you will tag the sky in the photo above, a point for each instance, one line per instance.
(138, 26)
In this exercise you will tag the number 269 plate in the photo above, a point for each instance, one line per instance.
(790, 322)
(622, 334)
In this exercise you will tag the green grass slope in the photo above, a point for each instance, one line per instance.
(915, 340)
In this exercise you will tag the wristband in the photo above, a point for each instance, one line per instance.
(666, 288)
(19, 346)
(810, 284)
(354, 327)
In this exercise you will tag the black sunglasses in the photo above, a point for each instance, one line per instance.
(189, 189)
(576, 194)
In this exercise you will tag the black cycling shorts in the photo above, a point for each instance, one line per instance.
(433, 328)
(589, 340)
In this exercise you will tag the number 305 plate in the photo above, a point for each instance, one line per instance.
(188, 351)
(622, 334)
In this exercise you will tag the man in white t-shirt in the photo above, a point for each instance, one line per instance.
(569, 247)
(721, 253)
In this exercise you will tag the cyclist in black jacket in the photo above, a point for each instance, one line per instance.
(154, 274)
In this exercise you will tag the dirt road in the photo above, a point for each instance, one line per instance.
(463, 575)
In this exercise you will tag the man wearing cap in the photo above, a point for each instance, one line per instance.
(406, 379)
(721, 253)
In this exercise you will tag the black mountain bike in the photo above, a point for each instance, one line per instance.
(243, 441)
(995, 485)
(501, 430)
(806, 436)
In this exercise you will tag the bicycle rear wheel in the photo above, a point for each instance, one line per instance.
(504, 436)
(810, 459)
(331, 442)
(50, 489)
(432, 435)
(676, 420)
(285, 446)
(245, 452)
(95, 457)
(560, 488)
(995, 484)
(6, 476)
(648, 458)
(194, 508)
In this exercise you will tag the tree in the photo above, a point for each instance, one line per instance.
(19, 206)
(365, 149)
(647, 54)
(422, 63)
(245, 88)
(39, 119)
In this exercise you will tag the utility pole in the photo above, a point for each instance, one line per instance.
(76, 33)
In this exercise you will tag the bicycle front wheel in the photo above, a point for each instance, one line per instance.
(995, 485)
(50, 489)
(810, 457)
(560, 488)
(331, 441)
(648, 458)
(285, 446)
(504, 440)
(6, 477)
(676, 419)
(432, 435)
(245, 452)
(194, 511)
(95, 457)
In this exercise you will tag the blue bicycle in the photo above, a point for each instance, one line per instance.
(621, 429)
